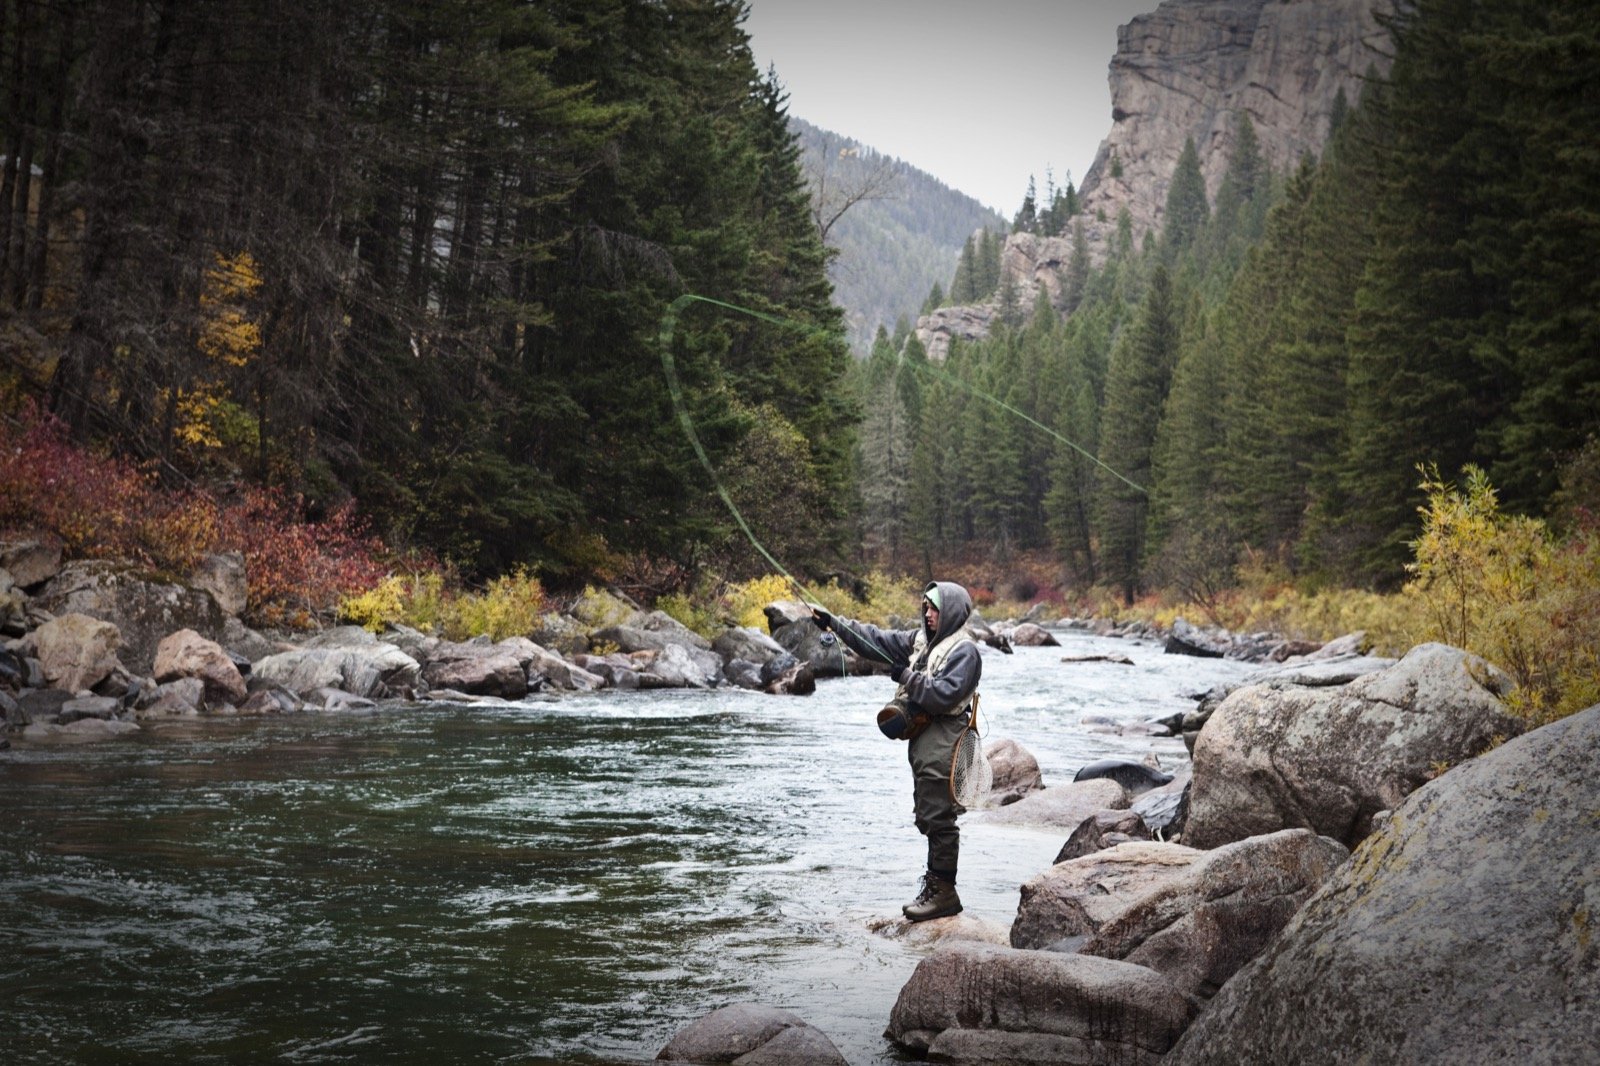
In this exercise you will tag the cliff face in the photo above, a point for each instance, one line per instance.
(1190, 67)
(1187, 70)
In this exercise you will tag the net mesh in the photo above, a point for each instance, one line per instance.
(970, 773)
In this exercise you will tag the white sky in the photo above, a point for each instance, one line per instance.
(978, 93)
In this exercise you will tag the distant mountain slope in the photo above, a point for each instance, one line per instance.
(892, 250)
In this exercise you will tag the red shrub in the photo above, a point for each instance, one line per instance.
(102, 506)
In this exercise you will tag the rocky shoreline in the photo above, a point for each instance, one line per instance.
(94, 648)
(1360, 856)
(1366, 863)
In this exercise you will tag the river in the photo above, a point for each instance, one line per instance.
(546, 882)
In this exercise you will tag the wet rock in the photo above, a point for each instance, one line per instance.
(366, 669)
(1460, 931)
(1016, 771)
(675, 666)
(271, 700)
(1329, 759)
(102, 707)
(1119, 660)
(546, 669)
(798, 680)
(981, 1000)
(12, 671)
(76, 651)
(957, 927)
(476, 669)
(83, 731)
(741, 1032)
(1102, 830)
(1135, 777)
(188, 654)
(337, 699)
(1165, 810)
(1062, 806)
(1030, 635)
(180, 698)
(742, 674)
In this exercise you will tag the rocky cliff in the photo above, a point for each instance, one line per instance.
(1188, 69)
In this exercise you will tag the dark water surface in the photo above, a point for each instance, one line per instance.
(545, 882)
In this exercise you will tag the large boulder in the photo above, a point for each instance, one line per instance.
(685, 658)
(1033, 635)
(675, 666)
(1016, 771)
(1061, 806)
(750, 645)
(143, 609)
(1185, 639)
(751, 1035)
(1461, 931)
(342, 659)
(977, 1003)
(1318, 672)
(188, 654)
(477, 669)
(1195, 916)
(1329, 759)
(76, 651)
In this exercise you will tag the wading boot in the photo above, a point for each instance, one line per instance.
(937, 899)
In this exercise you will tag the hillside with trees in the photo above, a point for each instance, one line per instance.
(417, 257)
(895, 230)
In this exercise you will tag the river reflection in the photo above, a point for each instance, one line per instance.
(546, 882)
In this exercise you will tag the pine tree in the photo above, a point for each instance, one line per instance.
(1137, 383)
(1186, 208)
(1027, 220)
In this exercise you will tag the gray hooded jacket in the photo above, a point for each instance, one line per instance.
(957, 678)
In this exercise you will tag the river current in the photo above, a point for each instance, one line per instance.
(544, 882)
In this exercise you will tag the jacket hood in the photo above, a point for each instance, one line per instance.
(955, 607)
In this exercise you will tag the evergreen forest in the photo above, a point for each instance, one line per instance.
(1272, 375)
(414, 258)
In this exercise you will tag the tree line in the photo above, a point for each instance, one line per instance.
(1265, 374)
(417, 254)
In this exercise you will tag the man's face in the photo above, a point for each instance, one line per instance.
(930, 615)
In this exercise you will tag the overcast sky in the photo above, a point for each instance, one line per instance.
(978, 93)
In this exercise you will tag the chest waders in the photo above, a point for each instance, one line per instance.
(930, 755)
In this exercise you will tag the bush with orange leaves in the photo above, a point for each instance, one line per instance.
(104, 506)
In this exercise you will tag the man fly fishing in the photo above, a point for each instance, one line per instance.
(937, 667)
